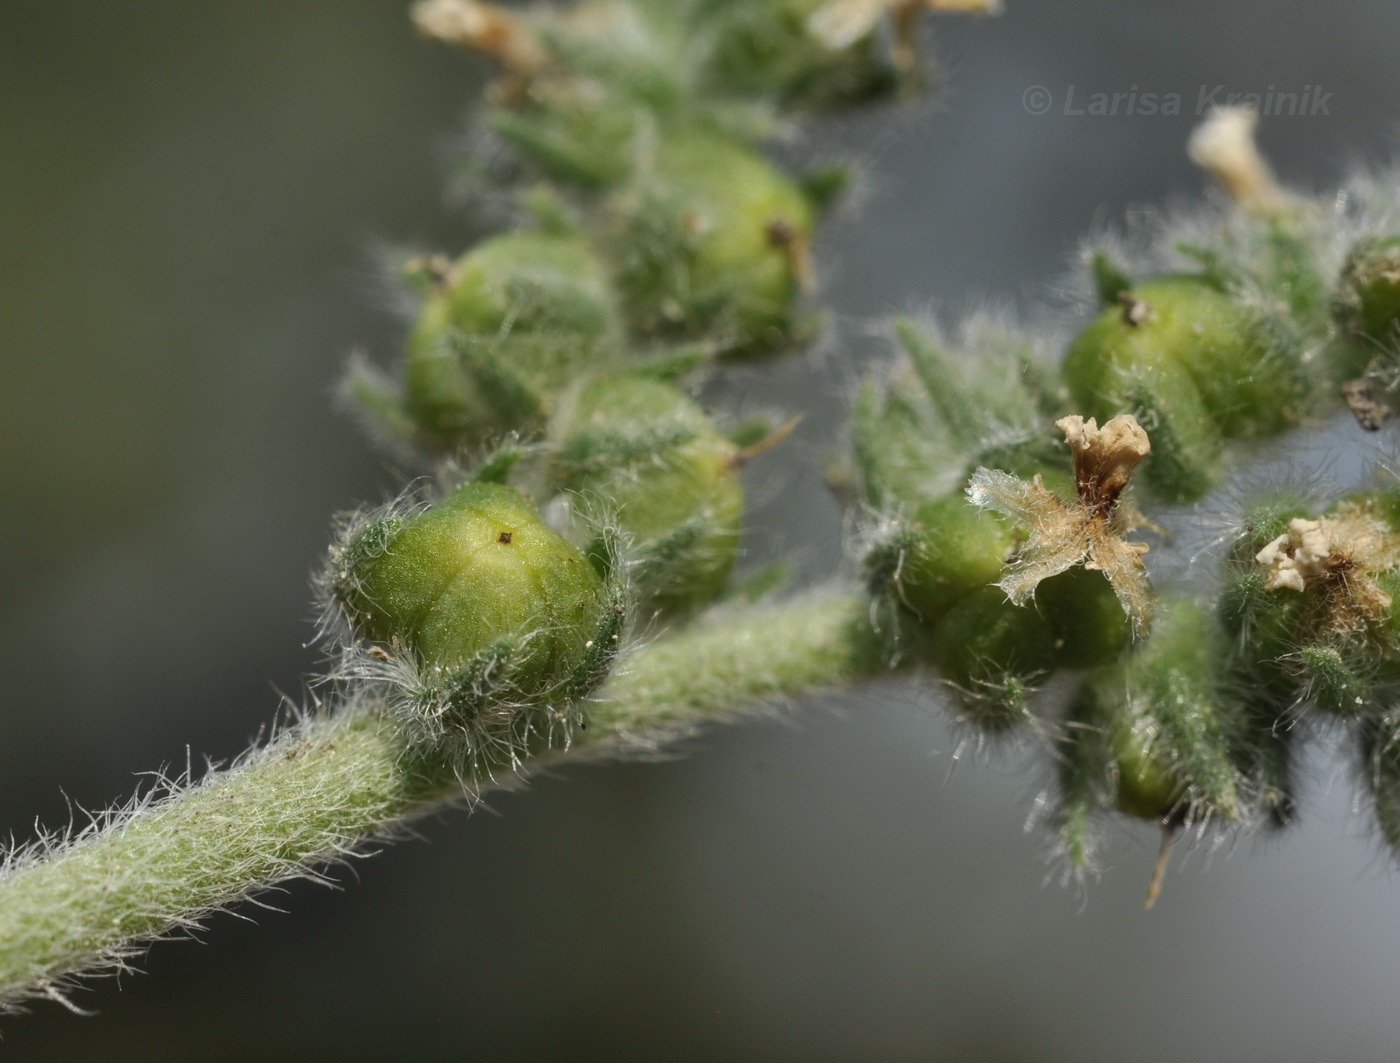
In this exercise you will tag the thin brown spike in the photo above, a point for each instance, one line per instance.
(1159, 873)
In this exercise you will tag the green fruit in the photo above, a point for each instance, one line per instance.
(942, 553)
(710, 243)
(1107, 376)
(669, 479)
(1155, 728)
(996, 655)
(1193, 366)
(1367, 300)
(515, 320)
(488, 607)
(1148, 787)
(1086, 617)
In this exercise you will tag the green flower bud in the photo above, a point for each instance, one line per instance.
(670, 481)
(939, 555)
(712, 242)
(490, 623)
(508, 326)
(995, 655)
(1192, 365)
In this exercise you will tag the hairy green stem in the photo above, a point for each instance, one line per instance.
(332, 782)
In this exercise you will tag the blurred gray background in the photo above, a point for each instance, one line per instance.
(190, 201)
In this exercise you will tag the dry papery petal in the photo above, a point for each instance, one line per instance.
(1064, 534)
(1104, 458)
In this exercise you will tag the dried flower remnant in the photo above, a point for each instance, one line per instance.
(841, 23)
(1370, 412)
(483, 27)
(1087, 530)
(1339, 556)
(1223, 145)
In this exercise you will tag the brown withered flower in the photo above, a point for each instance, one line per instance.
(1087, 530)
(1337, 556)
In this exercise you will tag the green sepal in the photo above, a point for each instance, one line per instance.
(1379, 748)
(675, 363)
(752, 431)
(1292, 270)
(767, 50)
(825, 185)
(1337, 678)
(551, 212)
(1111, 281)
(578, 143)
(496, 467)
(373, 394)
(957, 412)
(1156, 732)
(509, 397)
(760, 583)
